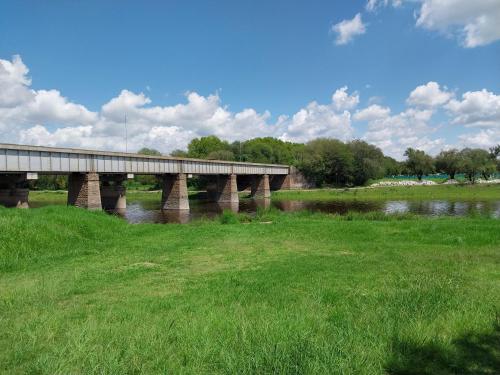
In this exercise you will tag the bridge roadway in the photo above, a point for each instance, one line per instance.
(96, 177)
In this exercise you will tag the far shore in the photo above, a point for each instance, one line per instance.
(425, 192)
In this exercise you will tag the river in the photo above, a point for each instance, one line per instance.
(149, 212)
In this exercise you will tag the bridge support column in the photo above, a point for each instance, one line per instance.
(14, 190)
(227, 189)
(174, 192)
(280, 182)
(223, 189)
(260, 187)
(84, 191)
(113, 193)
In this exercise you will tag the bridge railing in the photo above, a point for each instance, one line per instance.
(20, 158)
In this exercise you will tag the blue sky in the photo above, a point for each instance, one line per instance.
(247, 69)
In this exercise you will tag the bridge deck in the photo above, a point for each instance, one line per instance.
(50, 160)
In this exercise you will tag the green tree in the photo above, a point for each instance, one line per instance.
(50, 182)
(221, 155)
(495, 151)
(148, 180)
(449, 162)
(149, 151)
(368, 162)
(179, 154)
(267, 150)
(418, 162)
(328, 162)
(477, 162)
(200, 148)
(495, 155)
(392, 167)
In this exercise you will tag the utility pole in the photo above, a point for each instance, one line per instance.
(126, 135)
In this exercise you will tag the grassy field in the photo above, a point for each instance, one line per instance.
(448, 192)
(84, 292)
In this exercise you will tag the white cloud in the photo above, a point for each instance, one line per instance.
(429, 95)
(477, 108)
(45, 117)
(14, 83)
(476, 22)
(68, 136)
(316, 121)
(343, 101)
(371, 113)
(348, 29)
(23, 106)
(473, 22)
(410, 128)
(373, 5)
(51, 106)
(485, 138)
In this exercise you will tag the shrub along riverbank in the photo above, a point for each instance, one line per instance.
(85, 292)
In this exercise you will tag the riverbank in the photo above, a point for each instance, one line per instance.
(85, 292)
(448, 192)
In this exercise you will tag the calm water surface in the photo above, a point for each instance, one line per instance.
(149, 212)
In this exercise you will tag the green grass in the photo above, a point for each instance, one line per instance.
(447, 192)
(86, 293)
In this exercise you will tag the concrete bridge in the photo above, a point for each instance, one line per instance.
(96, 177)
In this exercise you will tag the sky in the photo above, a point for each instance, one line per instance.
(395, 73)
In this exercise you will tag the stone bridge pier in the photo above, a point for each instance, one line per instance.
(280, 182)
(113, 193)
(84, 191)
(260, 187)
(95, 191)
(174, 194)
(14, 190)
(223, 189)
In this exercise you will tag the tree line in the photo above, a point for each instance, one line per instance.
(331, 162)
(326, 161)
(472, 162)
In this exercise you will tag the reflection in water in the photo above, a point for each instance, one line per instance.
(443, 208)
(396, 207)
(291, 205)
(231, 206)
(334, 207)
(175, 216)
(140, 212)
(496, 210)
(264, 203)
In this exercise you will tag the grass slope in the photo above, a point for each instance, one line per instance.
(83, 292)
